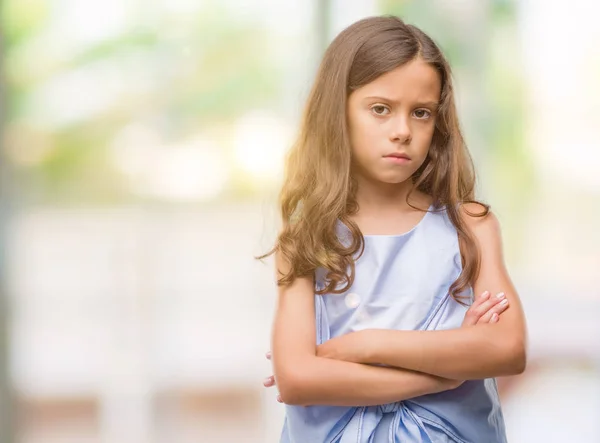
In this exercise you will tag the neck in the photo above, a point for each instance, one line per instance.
(370, 195)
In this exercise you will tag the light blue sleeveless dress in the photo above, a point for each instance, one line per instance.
(401, 282)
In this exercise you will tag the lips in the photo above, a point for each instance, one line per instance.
(398, 156)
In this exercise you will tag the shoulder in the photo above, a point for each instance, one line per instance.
(482, 222)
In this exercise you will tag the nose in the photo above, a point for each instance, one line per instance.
(401, 130)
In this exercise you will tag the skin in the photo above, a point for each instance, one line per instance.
(396, 113)
(485, 309)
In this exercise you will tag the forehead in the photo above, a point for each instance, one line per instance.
(413, 81)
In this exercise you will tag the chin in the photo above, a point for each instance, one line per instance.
(396, 180)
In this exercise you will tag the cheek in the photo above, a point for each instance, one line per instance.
(365, 135)
(360, 132)
(358, 128)
(423, 140)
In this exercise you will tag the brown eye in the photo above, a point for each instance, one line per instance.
(380, 110)
(422, 114)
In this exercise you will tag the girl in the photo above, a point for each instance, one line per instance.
(382, 247)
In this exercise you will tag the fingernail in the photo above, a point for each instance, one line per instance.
(504, 302)
(494, 318)
(500, 295)
(485, 294)
(279, 399)
(268, 379)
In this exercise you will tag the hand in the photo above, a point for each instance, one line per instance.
(270, 381)
(486, 309)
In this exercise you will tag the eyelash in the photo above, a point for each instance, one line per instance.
(389, 111)
(380, 106)
(426, 111)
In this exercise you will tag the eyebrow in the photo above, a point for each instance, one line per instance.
(430, 103)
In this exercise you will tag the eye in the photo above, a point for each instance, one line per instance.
(380, 110)
(422, 114)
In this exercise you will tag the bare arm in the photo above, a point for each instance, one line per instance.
(304, 378)
(486, 350)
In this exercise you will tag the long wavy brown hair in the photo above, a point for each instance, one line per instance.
(318, 189)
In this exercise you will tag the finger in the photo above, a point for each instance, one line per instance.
(268, 355)
(489, 304)
(269, 381)
(471, 316)
(482, 309)
(498, 309)
(279, 399)
(482, 298)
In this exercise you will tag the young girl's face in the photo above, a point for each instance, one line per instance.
(391, 122)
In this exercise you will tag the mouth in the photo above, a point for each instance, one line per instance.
(397, 157)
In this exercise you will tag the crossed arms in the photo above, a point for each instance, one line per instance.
(341, 372)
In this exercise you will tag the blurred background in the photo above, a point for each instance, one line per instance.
(142, 146)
